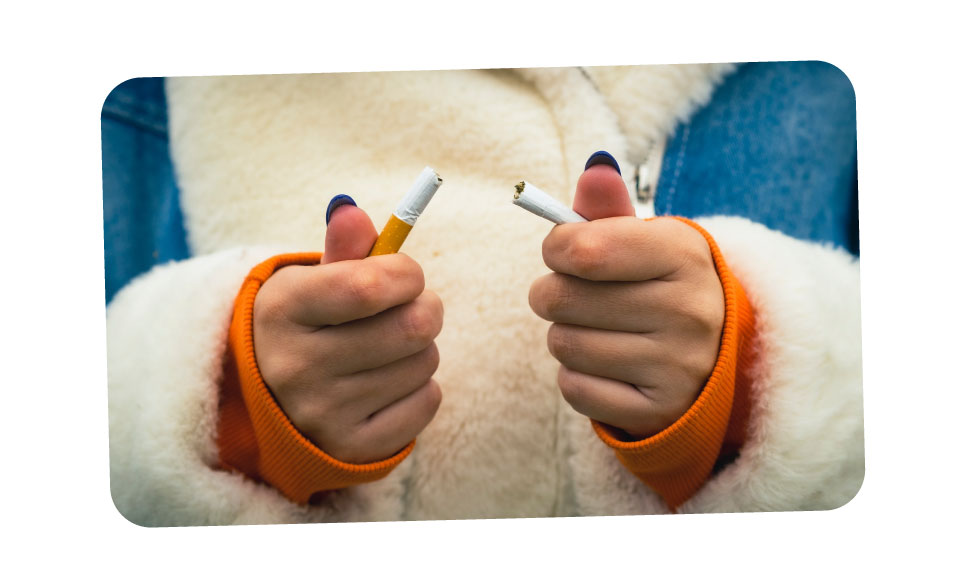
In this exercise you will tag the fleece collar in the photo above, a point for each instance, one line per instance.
(626, 110)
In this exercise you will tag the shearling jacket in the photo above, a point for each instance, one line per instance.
(257, 158)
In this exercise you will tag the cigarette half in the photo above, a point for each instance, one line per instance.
(542, 204)
(406, 213)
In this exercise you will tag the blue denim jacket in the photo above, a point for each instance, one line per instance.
(776, 144)
(142, 216)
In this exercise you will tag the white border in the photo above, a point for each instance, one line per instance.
(60, 63)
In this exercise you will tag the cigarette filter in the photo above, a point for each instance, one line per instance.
(542, 204)
(406, 213)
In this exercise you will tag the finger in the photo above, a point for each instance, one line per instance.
(648, 361)
(393, 427)
(638, 307)
(624, 249)
(382, 339)
(365, 393)
(628, 357)
(612, 402)
(336, 293)
(350, 233)
(600, 191)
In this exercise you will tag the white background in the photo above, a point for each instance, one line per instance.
(60, 62)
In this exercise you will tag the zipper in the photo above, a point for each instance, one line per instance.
(646, 177)
(647, 174)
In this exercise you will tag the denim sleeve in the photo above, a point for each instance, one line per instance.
(777, 145)
(143, 225)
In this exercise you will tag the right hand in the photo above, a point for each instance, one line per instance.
(346, 347)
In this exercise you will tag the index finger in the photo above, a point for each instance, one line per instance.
(348, 290)
(621, 249)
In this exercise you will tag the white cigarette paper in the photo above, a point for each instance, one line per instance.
(418, 196)
(542, 204)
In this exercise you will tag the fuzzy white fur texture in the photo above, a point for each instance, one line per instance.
(649, 101)
(257, 160)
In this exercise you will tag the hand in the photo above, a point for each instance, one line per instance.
(637, 309)
(346, 347)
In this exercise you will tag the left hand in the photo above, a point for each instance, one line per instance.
(637, 309)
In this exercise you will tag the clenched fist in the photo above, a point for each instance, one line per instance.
(637, 309)
(346, 347)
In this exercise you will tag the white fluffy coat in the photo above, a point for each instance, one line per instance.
(258, 158)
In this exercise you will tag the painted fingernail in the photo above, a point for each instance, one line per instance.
(335, 203)
(602, 157)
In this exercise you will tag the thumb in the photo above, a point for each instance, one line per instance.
(350, 233)
(600, 192)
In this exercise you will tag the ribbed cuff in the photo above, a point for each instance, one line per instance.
(255, 436)
(677, 461)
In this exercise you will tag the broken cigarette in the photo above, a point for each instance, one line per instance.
(406, 213)
(542, 204)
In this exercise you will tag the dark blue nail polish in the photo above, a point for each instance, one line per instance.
(602, 157)
(335, 203)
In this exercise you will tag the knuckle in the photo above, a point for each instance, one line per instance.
(696, 250)
(435, 305)
(314, 416)
(587, 252)
(283, 372)
(571, 389)
(420, 368)
(713, 313)
(701, 260)
(554, 244)
(688, 263)
(561, 342)
(690, 251)
(692, 364)
(401, 267)
(705, 312)
(270, 307)
(412, 268)
(686, 370)
(432, 359)
(432, 400)
(538, 296)
(365, 286)
(419, 323)
(304, 415)
(558, 297)
(284, 291)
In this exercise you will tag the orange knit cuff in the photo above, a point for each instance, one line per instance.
(255, 436)
(677, 461)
